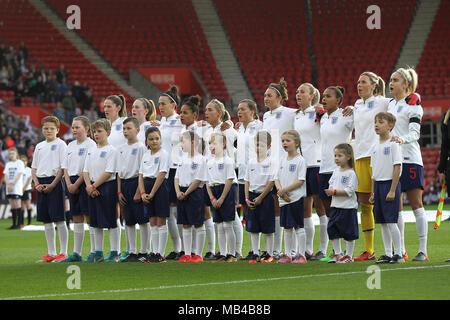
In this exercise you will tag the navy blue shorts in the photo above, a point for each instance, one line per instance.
(383, 211)
(102, 209)
(291, 215)
(262, 219)
(206, 200)
(343, 223)
(241, 190)
(50, 207)
(78, 202)
(159, 206)
(227, 211)
(412, 177)
(312, 181)
(171, 186)
(324, 178)
(134, 212)
(191, 211)
(27, 195)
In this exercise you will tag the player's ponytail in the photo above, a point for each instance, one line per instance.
(119, 100)
(380, 86)
(410, 76)
(173, 94)
(281, 89)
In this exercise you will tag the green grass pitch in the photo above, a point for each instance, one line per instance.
(23, 279)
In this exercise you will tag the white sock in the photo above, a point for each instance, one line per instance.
(210, 235)
(422, 228)
(187, 240)
(92, 238)
(163, 235)
(114, 238)
(289, 239)
(99, 239)
(278, 236)
(130, 233)
(221, 238)
(200, 234)
(230, 237)
(50, 236)
(119, 235)
(301, 240)
(349, 248)
(173, 229)
(336, 243)
(396, 238)
(145, 241)
(78, 237)
(63, 235)
(401, 228)
(181, 233)
(254, 240)
(238, 233)
(309, 234)
(323, 234)
(155, 238)
(387, 239)
(269, 241)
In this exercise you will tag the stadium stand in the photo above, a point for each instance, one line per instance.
(148, 33)
(268, 51)
(434, 65)
(345, 47)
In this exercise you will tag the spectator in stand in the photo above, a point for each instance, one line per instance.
(88, 99)
(3, 132)
(4, 78)
(52, 89)
(63, 87)
(43, 74)
(19, 93)
(23, 51)
(91, 113)
(70, 104)
(61, 74)
(39, 89)
(77, 90)
(59, 111)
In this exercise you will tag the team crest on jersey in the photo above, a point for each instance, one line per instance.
(344, 180)
(194, 166)
(172, 122)
(118, 127)
(134, 152)
(53, 148)
(81, 151)
(103, 154)
(278, 115)
(265, 168)
(399, 109)
(334, 120)
(292, 167)
(221, 166)
(311, 115)
(371, 105)
(156, 160)
(387, 150)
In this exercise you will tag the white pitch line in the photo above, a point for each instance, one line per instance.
(213, 283)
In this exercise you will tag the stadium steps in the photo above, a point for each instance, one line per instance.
(417, 35)
(222, 51)
(84, 47)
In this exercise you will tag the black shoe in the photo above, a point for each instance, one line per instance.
(384, 259)
(396, 259)
(159, 259)
(12, 227)
(180, 254)
(251, 256)
(132, 257)
(142, 256)
(264, 255)
(420, 257)
(308, 256)
(172, 256)
(319, 255)
(209, 256)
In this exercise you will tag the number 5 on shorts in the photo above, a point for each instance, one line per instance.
(412, 172)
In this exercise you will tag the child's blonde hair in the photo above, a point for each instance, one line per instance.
(51, 119)
(221, 136)
(296, 136)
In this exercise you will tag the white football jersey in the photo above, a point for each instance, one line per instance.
(259, 174)
(76, 156)
(220, 170)
(383, 158)
(310, 141)
(408, 131)
(291, 171)
(129, 159)
(347, 181)
(276, 122)
(142, 128)
(12, 170)
(170, 129)
(26, 175)
(49, 157)
(153, 164)
(334, 129)
(364, 113)
(100, 160)
(116, 137)
(190, 169)
(246, 146)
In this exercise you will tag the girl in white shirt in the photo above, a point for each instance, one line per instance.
(189, 180)
(343, 221)
(13, 175)
(290, 184)
(27, 189)
(73, 165)
(309, 129)
(144, 111)
(277, 120)
(170, 127)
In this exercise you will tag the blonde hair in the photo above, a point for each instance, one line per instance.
(380, 86)
(296, 136)
(86, 123)
(314, 91)
(221, 136)
(150, 106)
(410, 76)
(51, 119)
(220, 107)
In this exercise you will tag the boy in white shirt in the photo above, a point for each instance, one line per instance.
(386, 163)
(46, 170)
(13, 173)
